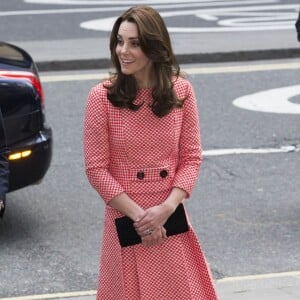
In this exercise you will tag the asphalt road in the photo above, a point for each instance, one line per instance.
(245, 207)
(68, 35)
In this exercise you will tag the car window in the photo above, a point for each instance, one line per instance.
(11, 55)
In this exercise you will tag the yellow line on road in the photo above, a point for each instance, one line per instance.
(92, 293)
(74, 77)
(260, 276)
(189, 71)
(53, 296)
(244, 68)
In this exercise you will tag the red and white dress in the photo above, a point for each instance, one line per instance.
(120, 143)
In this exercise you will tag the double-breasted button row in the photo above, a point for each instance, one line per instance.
(141, 175)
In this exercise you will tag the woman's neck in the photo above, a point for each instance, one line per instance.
(145, 83)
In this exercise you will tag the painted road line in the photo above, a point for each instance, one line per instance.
(243, 68)
(278, 100)
(74, 77)
(189, 71)
(260, 276)
(54, 296)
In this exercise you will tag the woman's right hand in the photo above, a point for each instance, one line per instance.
(155, 237)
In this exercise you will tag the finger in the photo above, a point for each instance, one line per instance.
(146, 241)
(140, 226)
(142, 230)
(153, 239)
(164, 232)
(146, 232)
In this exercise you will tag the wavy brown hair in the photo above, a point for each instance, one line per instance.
(155, 42)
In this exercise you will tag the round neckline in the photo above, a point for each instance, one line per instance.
(144, 89)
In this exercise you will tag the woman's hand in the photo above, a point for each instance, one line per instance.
(150, 226)
(155, 237)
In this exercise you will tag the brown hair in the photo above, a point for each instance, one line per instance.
(155, 42)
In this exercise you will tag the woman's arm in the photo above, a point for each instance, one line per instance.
(97, 156)
(190, 150)
(127, 206)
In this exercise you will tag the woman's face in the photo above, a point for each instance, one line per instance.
(132, 59)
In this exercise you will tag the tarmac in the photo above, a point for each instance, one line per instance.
(92, 53)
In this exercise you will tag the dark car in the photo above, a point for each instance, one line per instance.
(29, 138)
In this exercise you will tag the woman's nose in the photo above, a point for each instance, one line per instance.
(124, 48)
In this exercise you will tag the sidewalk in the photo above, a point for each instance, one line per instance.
(93, 53)
(280, 286)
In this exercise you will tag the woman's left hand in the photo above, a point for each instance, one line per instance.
(153, 220)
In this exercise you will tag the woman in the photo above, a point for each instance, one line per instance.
(142, 154)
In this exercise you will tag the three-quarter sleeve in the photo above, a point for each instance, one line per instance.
(190, 151)
(96, 145)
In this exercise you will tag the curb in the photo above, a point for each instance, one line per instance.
(217, 57)
(283, 286)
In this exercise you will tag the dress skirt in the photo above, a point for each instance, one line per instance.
(176, 269)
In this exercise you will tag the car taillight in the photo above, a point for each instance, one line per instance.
(31, 77)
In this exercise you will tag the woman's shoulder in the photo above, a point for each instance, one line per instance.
(97, 97)
(182, 86)
(99, 91)
(100, 87)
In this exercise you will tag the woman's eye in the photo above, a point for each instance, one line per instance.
(119, 42)
(135, 44)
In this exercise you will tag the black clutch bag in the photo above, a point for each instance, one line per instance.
(177, 223)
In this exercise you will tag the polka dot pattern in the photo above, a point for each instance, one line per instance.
(119, 143)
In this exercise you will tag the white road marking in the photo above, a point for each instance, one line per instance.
(57, 11)
(228, 16)
(110, 8)
(254, 19)
(271, 101)
(131, 2)
(233, 151)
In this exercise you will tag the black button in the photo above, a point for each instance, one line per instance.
(163, 173)
(140, 175)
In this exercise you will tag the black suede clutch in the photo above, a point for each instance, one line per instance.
(177, 223)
